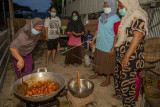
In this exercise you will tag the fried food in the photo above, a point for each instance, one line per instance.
(41, 88)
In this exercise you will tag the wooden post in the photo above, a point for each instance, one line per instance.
(11, 16)
(4, 13)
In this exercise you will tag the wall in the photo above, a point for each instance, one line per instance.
(4, 54)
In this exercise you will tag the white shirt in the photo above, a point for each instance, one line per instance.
(53, 26)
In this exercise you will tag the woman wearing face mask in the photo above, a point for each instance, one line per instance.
(23, 44)
(75, 30)
(129, 49)
(52, 31)
(104, 53)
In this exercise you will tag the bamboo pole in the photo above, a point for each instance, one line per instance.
(11, 16)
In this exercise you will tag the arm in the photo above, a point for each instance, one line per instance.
(94, 38)
(46, 24)
(112, 49)
(18, 57)
(95, 35)
(46, 33)
(134, 44)
(116, 25)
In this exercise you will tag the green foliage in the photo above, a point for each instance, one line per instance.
(58, 5)
(27, 15)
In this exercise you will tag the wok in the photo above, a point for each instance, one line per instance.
(40, 76)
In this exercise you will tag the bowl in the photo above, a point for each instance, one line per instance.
(85, 89)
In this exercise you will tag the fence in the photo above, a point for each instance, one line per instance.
(20, 22)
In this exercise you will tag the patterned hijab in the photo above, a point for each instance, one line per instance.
(112, 4)
(133, 11)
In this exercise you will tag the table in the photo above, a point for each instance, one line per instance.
(59, 48)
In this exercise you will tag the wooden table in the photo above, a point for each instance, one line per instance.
(59, 48)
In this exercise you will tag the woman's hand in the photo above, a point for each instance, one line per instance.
(20, 64)
(75, 34)
(47, 39)
(124, 62)
(112, 52)
(69, 33)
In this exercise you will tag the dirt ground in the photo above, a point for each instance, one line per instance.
(102, 95)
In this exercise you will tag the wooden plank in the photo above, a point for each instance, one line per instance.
(11, 16)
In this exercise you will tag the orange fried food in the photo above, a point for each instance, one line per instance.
(45, 87)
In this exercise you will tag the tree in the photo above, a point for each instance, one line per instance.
(58, 5)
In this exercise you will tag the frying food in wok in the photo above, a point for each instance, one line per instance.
(40, 88)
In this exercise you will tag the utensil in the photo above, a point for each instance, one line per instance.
(41, 76)
(78, 79)
(23, 83)
(85, 89)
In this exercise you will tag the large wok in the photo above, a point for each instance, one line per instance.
(41, 76)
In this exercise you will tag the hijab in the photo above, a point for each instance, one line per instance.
(24, 41)
(112, 5)
(75, 26)
(133, 11)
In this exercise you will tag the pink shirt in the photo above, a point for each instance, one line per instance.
(74, 41)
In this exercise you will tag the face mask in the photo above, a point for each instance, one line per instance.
(53, 14)
(122, 12)
(75, 18)
(35, 32)
(107, 10)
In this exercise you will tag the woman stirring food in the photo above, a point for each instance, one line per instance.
(23, 44)
(129, 49)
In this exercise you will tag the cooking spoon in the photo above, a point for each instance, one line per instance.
(24, 83)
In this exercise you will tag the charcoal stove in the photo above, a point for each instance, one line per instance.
(49, 103)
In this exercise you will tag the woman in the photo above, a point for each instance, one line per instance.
(129, 49)
(23, 44)
(52, 25)
(75, 30)
(104, 54)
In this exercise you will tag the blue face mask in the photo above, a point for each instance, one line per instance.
(35, 32)
(75, 18)
(53, 14)
(122, 12)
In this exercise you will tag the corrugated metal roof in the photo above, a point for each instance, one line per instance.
(93, 6)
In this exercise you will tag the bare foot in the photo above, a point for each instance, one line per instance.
(66, 65)
(76, 65)
(117, 97)
(54, 62)
(94, 76)
(46, 65)
(105, 83)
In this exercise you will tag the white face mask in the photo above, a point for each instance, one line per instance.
(107, 10)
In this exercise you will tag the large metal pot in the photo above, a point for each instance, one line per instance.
(41, 76)
(85, 89)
